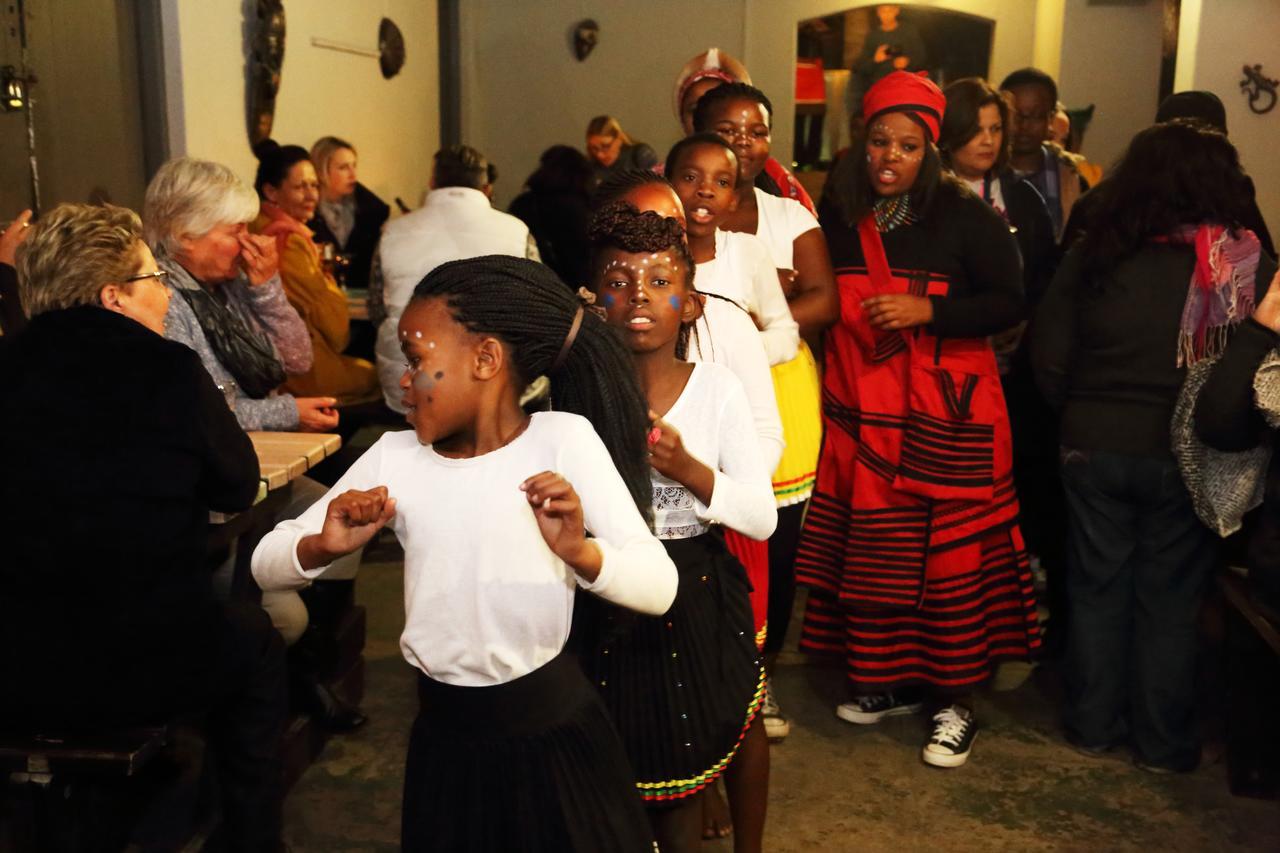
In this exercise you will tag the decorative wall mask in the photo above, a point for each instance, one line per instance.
(585, 35)
(1260, 89)
(390, 48)
(266, 59)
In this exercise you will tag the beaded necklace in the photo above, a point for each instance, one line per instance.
(893, 212)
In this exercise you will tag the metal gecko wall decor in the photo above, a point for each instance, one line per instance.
(1260, 89)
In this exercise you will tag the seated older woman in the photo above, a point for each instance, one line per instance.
(290, 192)
(230, 305)
(115, 445)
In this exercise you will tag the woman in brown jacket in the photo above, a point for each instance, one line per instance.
(287, 182)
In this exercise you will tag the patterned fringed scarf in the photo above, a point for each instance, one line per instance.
(1221, 292)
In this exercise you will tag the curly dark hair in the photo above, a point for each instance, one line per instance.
(620, 225)
(525, 305)
(1173, 175)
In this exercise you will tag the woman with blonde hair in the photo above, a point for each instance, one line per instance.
(115, 445)
(613, 152)
(349, 215)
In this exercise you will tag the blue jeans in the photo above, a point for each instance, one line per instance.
(1138, 562)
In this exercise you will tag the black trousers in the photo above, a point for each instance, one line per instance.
(782, 574)
(1138, 562)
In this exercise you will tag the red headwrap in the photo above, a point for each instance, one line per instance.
(904, 92)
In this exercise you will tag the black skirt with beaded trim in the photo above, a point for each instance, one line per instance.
(533, 765)
(684, 687)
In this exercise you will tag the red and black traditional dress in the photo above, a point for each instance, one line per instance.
(911, 548)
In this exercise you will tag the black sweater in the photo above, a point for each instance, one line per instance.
(114, 446)
(371, 214)
(1107, 357)
(962, 241)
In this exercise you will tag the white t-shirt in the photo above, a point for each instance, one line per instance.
(725, 335)
(781, 221)
(486, 601)
(714, 422)
(743, 270)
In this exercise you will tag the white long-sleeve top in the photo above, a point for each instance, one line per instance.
(714, 422)
(486, 601)
(743, 270)
(725, 335)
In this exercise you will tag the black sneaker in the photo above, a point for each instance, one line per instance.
(953, 732)
(866, 710)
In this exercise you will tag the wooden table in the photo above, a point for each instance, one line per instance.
(282, 458)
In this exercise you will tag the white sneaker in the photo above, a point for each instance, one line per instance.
(953, 732)
(776, 726)
(866, 710)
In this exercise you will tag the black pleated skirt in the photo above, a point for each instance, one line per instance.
(682, 687)
(532, 765)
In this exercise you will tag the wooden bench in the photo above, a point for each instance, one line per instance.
(76, 791)
(1253, 690)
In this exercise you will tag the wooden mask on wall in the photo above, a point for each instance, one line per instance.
(266, 59)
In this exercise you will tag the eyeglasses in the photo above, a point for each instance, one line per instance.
(159, 275)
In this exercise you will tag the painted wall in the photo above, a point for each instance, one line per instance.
(1111, 58)
(87, 116)
(523, 90)
(394, 123)
(771, 40)
(1212, 48)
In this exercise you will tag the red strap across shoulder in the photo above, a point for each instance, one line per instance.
(873, 252)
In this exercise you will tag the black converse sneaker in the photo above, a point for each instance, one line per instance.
(776, 725)
(866, 710)
(953, 732)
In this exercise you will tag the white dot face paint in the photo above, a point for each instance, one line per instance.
(417, 335)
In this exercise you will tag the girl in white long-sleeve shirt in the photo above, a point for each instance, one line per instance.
(512, 749)
(685, 688)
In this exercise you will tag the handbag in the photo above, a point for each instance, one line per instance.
(247, 356)
(1223, 485)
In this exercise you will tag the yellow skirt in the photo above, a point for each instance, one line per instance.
(799, 393)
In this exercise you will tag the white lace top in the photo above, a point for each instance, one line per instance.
(715, 425)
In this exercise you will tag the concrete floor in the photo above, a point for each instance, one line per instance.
(835, 787)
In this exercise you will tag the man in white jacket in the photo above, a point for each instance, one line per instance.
(455, 222)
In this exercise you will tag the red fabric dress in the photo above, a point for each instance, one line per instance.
(912, 549)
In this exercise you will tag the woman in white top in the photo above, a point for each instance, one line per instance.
(685, 688)
(512, 748)
(742, 116)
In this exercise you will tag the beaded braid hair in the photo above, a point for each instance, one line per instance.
(619, 225)
(527, 307)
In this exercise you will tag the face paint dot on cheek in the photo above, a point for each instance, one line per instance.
(610, 299)
(439, 375)
(675, 302)
(417, 334)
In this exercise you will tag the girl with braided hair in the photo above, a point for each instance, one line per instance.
(685, 688)
(512, 748)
